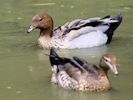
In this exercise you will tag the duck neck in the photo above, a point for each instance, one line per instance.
(46, 33)
(103, 71)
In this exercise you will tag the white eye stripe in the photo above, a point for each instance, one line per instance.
(108, 59)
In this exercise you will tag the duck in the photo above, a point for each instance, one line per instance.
(78, 33)
(77, 74)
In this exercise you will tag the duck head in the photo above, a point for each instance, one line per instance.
(108, 61)
(42, 21)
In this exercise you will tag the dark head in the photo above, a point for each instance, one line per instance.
(108, 61)
(42, 21)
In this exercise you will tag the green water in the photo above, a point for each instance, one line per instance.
(25, 71)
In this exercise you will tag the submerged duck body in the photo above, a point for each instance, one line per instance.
(79, 33)
(78, 74)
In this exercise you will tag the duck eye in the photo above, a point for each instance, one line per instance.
(106, 59)
(40, 19)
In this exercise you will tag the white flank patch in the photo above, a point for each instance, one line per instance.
(95, 38)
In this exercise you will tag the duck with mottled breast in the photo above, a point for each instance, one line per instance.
(79, 33)
(78, 74)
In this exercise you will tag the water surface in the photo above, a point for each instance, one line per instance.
(24, 69)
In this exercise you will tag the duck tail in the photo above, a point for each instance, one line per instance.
(113, 26)
(53, 57)
(55, 60)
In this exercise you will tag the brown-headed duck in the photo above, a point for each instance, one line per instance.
(79, 33)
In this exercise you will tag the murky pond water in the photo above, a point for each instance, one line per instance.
(25, 71)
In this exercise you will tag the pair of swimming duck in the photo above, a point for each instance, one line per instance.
(77, 73)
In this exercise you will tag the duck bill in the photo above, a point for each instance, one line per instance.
(113, 68)
(31, 28)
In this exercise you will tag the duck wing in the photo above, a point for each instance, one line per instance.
(89, 67)
(77, 27)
